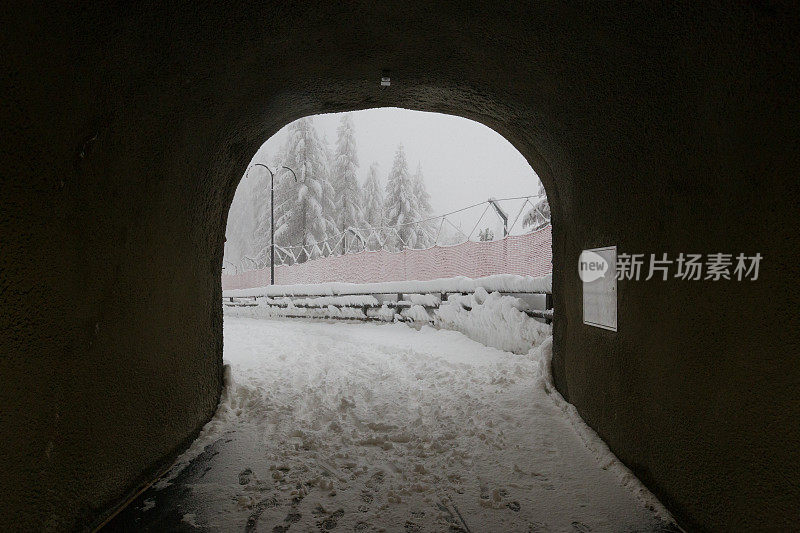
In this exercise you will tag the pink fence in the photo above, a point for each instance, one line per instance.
(525, 255)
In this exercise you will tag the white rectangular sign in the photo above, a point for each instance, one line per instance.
(599, 291)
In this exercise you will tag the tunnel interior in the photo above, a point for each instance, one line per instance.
(127, 129)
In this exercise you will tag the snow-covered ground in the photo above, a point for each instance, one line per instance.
(383, 427)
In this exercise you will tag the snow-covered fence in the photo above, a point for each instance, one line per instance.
(383, 307)
(408, 301)
(514, 322)
(505, 283)
(522, 255)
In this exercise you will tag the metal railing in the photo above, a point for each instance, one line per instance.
(430, 232)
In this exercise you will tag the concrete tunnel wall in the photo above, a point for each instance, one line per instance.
(656, 128)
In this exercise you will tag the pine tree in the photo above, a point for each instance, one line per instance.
(486, 234)
(328, 199)
(400, 203)
(539, 215)
(372, 201)
(303, 209)
(330, 158)
(423, 210)
(345, 182)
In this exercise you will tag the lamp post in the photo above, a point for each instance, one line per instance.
(235, 268)
(272, 217)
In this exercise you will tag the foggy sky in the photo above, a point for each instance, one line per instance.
(464, 162)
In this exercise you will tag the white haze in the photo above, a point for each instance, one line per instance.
(464, 162)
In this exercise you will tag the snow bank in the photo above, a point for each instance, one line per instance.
(385, 313)
(293, 311)
(425, 300)
(543, 356)
(492, 319)
(417, 314)
(498, 282)
(320, 301)
(364, 299)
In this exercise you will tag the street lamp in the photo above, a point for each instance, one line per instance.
(235, 268)
(272, 217)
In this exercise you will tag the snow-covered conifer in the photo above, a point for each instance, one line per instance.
(400, 202)
(422, 207)
(539, 215)
(345, 182)
(303, 209)
(373, 205)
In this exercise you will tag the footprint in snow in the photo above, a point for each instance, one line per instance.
(412, 527)
(331, 521)
(366, 497)
(290, 519)
(376, 479)
(245, 476)
(252, 520)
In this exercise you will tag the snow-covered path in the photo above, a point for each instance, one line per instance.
(380, 427)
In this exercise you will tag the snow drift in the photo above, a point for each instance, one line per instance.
(493, 320)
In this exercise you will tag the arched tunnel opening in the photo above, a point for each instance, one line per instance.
(437, 418)
(127, 129)
(387, 343)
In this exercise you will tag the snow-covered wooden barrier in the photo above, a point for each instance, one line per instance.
(410, 301)
(514, 322)
(496, 283)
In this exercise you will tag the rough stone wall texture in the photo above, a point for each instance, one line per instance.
(125, 129)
